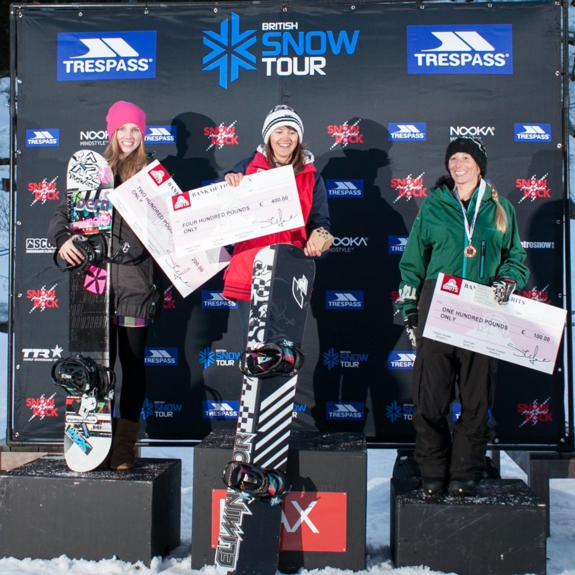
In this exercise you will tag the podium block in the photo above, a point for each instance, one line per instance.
(46, 510)
(323, 515)
(499, 531)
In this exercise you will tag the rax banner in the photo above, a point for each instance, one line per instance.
(382, 88)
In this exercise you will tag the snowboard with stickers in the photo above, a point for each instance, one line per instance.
(84, 373)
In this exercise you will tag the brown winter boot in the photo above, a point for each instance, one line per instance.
(123, 452)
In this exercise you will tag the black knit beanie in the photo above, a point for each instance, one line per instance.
(469, 146)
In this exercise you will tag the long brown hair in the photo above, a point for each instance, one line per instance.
(297, 159)
(128, 166)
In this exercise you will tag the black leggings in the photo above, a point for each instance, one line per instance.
(129, 343)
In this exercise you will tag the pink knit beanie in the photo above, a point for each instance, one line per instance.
(122, 113)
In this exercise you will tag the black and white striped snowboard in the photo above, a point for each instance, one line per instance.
(249, 533)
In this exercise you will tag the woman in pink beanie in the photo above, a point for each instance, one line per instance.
(134, 280)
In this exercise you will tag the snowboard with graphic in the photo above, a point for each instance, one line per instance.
(250, 523)
(88, 418)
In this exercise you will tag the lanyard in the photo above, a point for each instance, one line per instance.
(470, 251)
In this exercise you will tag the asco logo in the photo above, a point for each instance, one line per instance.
(106, 55)
(460, 49)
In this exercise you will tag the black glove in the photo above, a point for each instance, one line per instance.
(410, 324)
(503, 288)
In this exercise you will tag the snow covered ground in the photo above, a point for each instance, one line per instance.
(560, 544)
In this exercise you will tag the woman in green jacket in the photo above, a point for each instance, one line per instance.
(466, 230)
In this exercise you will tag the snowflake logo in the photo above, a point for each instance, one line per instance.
(148, 409)
(331, 358)
(393, 411)
(229, 50)
(207, 357)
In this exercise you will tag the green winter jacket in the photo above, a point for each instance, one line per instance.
(437, 240)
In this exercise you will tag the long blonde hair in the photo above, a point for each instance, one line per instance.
(128, 166)
(500, 214)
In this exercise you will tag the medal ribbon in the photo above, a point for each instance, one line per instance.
(469, 229)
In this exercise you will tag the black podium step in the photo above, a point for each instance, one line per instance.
(46, 511)
(499, 531)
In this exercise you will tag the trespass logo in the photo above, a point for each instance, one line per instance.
(407, 132)
(220, 409)
(344, 299)
(43, 138)
(160, 135)
(344, 411)
(460, 49)
(345, 188)
(106, 55)
(532, 132)
(285, 49)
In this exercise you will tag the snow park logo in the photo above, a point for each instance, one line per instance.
(163, 356)
(220, 409)
(460, 49)
(212, 299)
(344, 299)
(160, 135)
(344, 188)
(532, 132)
(285, 49)
(87, 56)
(396, 244)
(414, 132)
(43, 138)
(344, 411)
(332, 359)
(400, 360)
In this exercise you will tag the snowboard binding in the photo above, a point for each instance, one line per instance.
(94, 249)
(255, 482)
(272, 359)
(81, 375)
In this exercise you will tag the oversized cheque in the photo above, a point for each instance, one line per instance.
(524, 331)
(144, 201)
(217, 215)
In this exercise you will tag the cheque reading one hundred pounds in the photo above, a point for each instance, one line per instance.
(218, 214)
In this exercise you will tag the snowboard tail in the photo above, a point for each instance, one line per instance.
(281, 291)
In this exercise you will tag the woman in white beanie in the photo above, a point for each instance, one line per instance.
(282, 135)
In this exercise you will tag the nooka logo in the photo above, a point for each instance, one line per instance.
(460, 49)
(106, 55)
(414, 132)
(532, 132)
(344, 188)
(43, 138)
(286, 50)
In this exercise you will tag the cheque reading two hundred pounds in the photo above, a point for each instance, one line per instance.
(218, 215)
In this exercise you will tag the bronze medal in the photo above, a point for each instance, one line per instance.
(469, 251)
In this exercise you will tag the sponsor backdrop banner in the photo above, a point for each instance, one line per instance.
(381, 88)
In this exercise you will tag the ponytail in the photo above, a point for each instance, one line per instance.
(500, 214)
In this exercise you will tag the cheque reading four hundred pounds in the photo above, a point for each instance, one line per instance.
(217, 215)
(524, 331)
